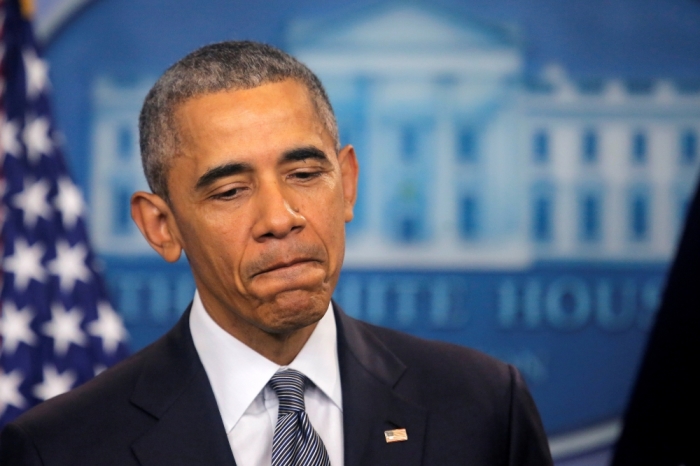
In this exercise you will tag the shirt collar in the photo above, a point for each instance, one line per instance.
(318, 359)
(238, 374)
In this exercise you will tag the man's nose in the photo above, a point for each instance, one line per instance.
(277, 214)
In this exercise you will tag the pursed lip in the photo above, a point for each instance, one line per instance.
(284, 264)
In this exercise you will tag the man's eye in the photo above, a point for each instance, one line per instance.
(305, 175)
(228, 194)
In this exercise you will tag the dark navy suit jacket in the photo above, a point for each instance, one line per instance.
(157, 408)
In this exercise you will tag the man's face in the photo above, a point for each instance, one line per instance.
(259, 201)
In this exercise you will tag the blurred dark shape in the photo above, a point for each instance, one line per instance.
(661, 424)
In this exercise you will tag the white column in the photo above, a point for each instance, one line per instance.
(443, 200)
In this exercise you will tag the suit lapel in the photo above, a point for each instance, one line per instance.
(174, 389)
(373, 401)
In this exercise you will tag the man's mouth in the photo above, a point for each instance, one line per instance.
(284, 265)
(280, 260)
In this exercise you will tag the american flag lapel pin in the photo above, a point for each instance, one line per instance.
(395, 435)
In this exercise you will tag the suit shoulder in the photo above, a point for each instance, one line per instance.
(434, 351)
(455, 366)
(98, 401)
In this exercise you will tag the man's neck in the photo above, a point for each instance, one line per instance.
(278, 348)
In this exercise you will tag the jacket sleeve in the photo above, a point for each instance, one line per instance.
(528, 442)
(17, 448)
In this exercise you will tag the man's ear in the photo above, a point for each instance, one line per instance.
(349, 171)
(155, 219)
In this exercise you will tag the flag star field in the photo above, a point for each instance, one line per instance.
(57, 327)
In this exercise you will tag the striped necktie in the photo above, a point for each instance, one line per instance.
(295, 442)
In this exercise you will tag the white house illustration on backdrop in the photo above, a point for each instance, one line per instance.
(465, 164)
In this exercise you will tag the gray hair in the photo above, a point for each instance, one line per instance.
(213, 68)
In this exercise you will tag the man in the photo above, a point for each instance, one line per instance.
(240, 148)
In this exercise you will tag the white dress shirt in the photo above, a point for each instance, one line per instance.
(248, 406)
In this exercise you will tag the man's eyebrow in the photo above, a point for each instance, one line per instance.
(304, 153)
(222, 171)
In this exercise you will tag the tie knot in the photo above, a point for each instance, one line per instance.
(289, 387)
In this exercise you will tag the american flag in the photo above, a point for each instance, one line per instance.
(57, 327)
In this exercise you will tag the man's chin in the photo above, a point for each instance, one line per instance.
(294, 310)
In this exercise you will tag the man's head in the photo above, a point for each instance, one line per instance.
(257, 191)
(213, 68)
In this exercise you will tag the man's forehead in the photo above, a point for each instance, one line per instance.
(238, 124)
(289, 102)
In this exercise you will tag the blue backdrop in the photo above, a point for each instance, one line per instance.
(526, 167)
